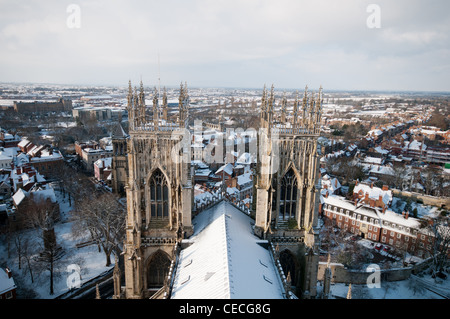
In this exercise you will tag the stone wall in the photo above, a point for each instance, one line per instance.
(341, 274)
(426, 199)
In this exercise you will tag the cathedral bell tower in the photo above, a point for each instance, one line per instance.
(159, 193)
(287, 186)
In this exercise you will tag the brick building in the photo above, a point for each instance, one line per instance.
(48, 162)
(7, 285)
(43, 106)
(371, 195)
(90, 152)
(8, 139)
(379, 225)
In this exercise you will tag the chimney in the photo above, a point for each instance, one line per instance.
(8, 272)
(384, 209)
(406, 215)
(371, 185)
(385, 187)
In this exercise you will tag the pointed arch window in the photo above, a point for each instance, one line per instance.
(158, 270)
(288, 195)
(159, 195)
(288, 264)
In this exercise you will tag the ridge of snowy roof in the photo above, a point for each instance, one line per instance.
(224, 260)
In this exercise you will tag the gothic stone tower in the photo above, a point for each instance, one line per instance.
(287, 186)
(159, 193)
(119, 160)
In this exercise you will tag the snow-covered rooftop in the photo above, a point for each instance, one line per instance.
(19, 196)
(103, 162)
(373, 160)
(373, 192)
(244, 178)
(246, 158)
(225, 260)
(6, 284)
(227, 168)
(415, 145)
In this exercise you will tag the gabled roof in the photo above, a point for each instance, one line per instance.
(119, 132)
(19, 196)
(374, 192)
(244, 178)
(225, 260)
(23, 143)
(227, 168)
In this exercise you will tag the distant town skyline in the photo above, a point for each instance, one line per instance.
(349, 45)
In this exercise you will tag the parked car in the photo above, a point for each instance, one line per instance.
(387, 248)
(378, 247)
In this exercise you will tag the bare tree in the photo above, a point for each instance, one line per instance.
(28, 248)
(431, 180)
(398, 177)
(18, 240)
(49, 258)
(438, 248)
(41, 216)
(103, 217)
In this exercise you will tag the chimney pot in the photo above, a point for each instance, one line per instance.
(8, 271)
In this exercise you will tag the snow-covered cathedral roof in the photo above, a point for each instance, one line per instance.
(225, 260)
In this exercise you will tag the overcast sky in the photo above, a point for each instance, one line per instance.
(213, 43)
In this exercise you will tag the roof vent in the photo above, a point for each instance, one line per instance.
(189, 262)
(186, 280)
(267, 279)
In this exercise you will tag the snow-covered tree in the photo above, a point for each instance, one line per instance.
(103, 218)
(439, 247)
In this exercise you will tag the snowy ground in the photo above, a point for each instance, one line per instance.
(412, 288)
(398, 205)
(405, 289)
(89, 259)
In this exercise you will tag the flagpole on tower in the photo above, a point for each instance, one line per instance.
(159, 88)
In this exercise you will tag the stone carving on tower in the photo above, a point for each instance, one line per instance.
(164, 106)
(159, 193)
(287, 185)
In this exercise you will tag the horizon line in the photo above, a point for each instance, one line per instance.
(231, 87)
